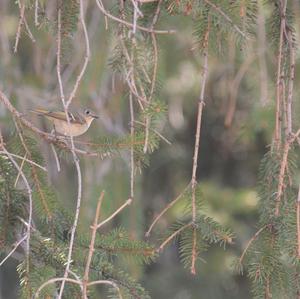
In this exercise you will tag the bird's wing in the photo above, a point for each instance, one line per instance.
(74, 118)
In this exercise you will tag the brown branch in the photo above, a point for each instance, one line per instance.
(201, 104)
(282, 11)
(21, 22)
(298, 222)
(127, 203)
(155, 51)
(92, 246)
(194, 252)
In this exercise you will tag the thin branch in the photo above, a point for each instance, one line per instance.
(27, 160)
(92, 246)
(132, 131)
(53, 280)
(291, 83)
(36, 16)
(75, 158)
(282, 11)
(298, 222)
(86, 58)
(112, 17)
(17, 244)
(172, 236)
(156, 132)
(21, 21)
(250, 242)
(171, 204)
(201, 104)
(127, 203)
(155, 51)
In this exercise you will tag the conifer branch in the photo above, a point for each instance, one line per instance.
(114, 18)
(30, 206)
(34, 173)
(226, 17)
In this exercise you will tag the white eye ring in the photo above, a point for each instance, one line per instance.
(87, 112)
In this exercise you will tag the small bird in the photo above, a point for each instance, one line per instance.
(79, 122)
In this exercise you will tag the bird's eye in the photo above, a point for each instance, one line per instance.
(87, 112)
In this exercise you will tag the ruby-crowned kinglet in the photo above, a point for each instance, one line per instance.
(79, 122)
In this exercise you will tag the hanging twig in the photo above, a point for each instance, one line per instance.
(153, 81)
(201, 104)
(102, 9)
(92, 246)
(298, 222)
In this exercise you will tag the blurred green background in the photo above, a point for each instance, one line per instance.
(228, 160)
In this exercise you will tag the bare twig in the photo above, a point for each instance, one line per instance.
(171, 204)
(291, 83)
(21, 21)
(27, 160)
(112, 17)
(17, 244)
(282, 11)
(53, 280)
(86, 58)
(92, 246)
(197, 143)
(75, 158)
(132, 130)
(172, 236)
(156, 132)
(298, 222)
(250, 242)
(127, 203)
(36, 16)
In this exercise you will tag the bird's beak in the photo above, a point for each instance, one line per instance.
(95, 116)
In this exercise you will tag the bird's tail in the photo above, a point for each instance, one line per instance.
(39, 111)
